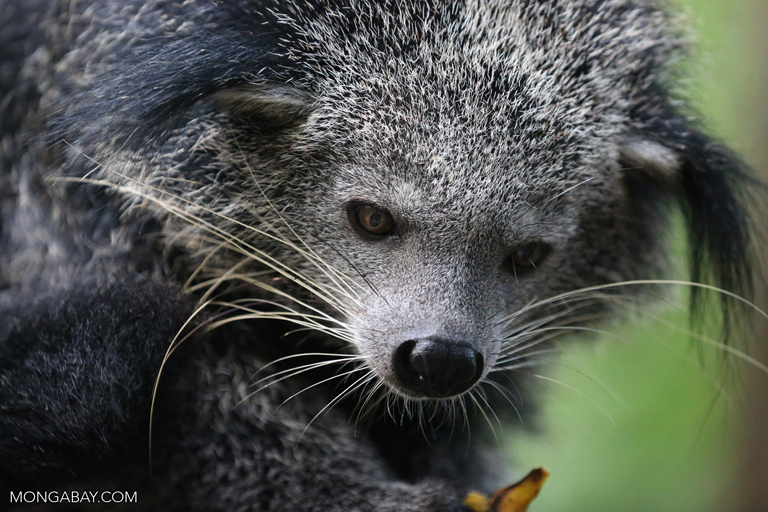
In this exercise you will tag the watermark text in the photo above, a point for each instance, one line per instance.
(80, 497)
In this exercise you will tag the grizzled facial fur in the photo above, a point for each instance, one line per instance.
(418, 177)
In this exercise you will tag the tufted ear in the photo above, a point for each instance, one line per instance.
(711, 184)
(653, 161)
(272, 107)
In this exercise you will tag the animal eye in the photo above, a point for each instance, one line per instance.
(369, 220)
(525, 257)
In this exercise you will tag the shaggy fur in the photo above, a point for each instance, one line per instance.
(149, 145)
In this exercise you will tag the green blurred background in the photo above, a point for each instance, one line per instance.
(646, 419)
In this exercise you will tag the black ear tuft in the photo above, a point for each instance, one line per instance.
(713, 185)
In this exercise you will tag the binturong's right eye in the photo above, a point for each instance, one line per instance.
(370, 221)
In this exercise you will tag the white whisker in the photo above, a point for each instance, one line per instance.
(585, 396)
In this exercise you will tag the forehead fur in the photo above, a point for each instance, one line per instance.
(417, 90)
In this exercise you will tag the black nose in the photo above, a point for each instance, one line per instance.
(437, 367)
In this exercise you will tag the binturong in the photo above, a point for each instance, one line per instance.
(295, 253)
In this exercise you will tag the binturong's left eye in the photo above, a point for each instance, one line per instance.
(526, 257)
(370, 221)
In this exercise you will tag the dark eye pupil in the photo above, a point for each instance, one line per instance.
(526, 257)
(370, 220)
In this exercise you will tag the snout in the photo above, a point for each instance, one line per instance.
(437, 367)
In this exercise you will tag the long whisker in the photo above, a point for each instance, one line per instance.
(235, 243)
(588, 398)
(171, 348)
(505, 393)
(471, 395)
(323, 381)
(302, 355)
(299, 371)
(281, 293)
(518, 341)
(293, 231)
(566, 328)
(638, 282)
(362, 408)
(274, 378)
(236, 305)
(740, 354)
(526, 355)
(361, 382)
(581, 301)
(538, 341)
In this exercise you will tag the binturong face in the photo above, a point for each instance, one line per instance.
(450, 264)
(442, 186)
(462, 230)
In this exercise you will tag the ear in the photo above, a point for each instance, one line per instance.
(652, 161)
(274, 107)
(710, 183)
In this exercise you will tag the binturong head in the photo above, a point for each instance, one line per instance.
(443, 186)
(491, 173)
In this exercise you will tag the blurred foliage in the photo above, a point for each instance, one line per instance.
(646, 419)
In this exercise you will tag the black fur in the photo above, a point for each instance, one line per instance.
(75, 367)
(78, 370)
(713, 194)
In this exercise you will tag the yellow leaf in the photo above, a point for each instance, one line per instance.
(514, 498)
(477, 502)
